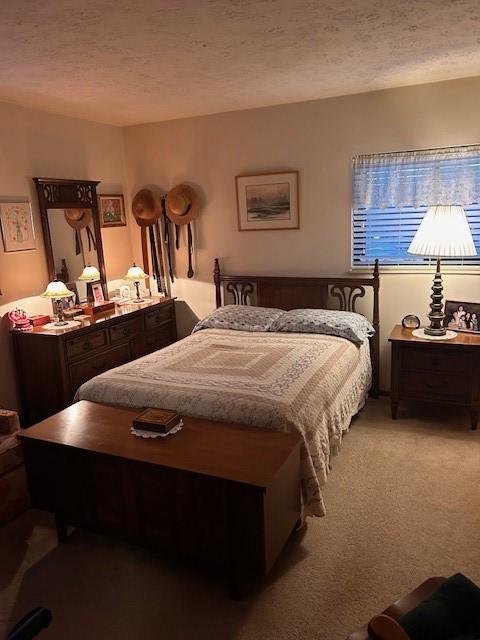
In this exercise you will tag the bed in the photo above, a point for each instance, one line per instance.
(309, 383)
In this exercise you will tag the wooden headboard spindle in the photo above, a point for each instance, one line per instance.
(303, 293)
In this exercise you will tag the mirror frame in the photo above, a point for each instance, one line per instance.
(69, 194)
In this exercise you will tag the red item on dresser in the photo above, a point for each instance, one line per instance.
(39, 320)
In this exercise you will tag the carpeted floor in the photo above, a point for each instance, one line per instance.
(403, 503)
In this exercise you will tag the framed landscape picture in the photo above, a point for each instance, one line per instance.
(268, 201)
(462, 316)
(112, 210)
(16, 222)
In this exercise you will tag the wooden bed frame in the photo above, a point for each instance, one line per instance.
(306, 293)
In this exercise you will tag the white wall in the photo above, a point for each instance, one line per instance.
(319, 139)
(34, 143)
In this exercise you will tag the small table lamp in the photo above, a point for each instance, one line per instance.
(90, 274)
(135, 274)
(57, 291)
(443, 232)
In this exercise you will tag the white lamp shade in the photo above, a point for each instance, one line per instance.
(135, 273)
(443, 232)
(90, 274)
(57, 290)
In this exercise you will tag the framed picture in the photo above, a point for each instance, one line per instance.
(268, 201)
(96, 289)
(112, 210)
(16, 222)
(462, 316)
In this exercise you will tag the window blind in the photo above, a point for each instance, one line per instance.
(391, 193)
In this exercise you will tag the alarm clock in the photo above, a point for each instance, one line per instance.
(411, 322)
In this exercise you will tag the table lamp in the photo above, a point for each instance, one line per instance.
(443, 232)
(135, 274)
(57, 291)
(90, 274)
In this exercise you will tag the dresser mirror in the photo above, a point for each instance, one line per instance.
(71, 229)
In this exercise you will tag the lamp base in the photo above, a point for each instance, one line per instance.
(433, 331)
(138, 300)
(60, 323)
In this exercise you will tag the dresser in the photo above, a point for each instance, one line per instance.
(437, 371)
(51, 365)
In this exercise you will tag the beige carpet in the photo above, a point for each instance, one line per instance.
(403, 504)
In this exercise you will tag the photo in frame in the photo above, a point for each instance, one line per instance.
(112, 210)
(268, 201)
(462, 316)
(68, 303)
(16, 222)
(96, 291)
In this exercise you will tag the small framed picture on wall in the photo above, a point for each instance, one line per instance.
(112, 210)
(268, 201)
(16, 222)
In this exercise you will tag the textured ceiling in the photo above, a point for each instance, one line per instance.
(128, 61)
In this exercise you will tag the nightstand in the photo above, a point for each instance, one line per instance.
(438, 371)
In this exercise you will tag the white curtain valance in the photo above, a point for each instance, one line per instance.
(417, 178)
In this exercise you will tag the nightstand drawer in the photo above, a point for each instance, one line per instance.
(440, 359)
(449, 387)
(126, 330)
(85, 345)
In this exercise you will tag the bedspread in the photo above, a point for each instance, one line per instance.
(312, 384)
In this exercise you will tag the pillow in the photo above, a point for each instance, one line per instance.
(344, 324)
(240, 318)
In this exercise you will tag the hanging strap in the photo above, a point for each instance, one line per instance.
(158, 238)
(177, 237)
(143, 234)
(167, 241)
(91, 239)
(190, 273)
(154, 254)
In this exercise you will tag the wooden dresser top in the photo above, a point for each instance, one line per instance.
(123, 312)
(401, 334)
(238, 453)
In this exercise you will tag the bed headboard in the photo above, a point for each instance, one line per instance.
(306, 293)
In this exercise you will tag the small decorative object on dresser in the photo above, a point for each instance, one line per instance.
(462, 316)
(17, 226)
(410, 321)
(136, 274)
(20, 320)
(112, 210)
(57, 292)
(268, 201)
(443, 372)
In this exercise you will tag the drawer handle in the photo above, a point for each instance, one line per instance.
(87, 346)
(126, 331)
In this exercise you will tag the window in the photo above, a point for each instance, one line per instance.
(392, 191)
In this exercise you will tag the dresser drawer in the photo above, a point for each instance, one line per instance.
(126, 330)
(91, 367)
(152, 341)
(442, 359)
(448, 387)
(86, 344)
(158, 317)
